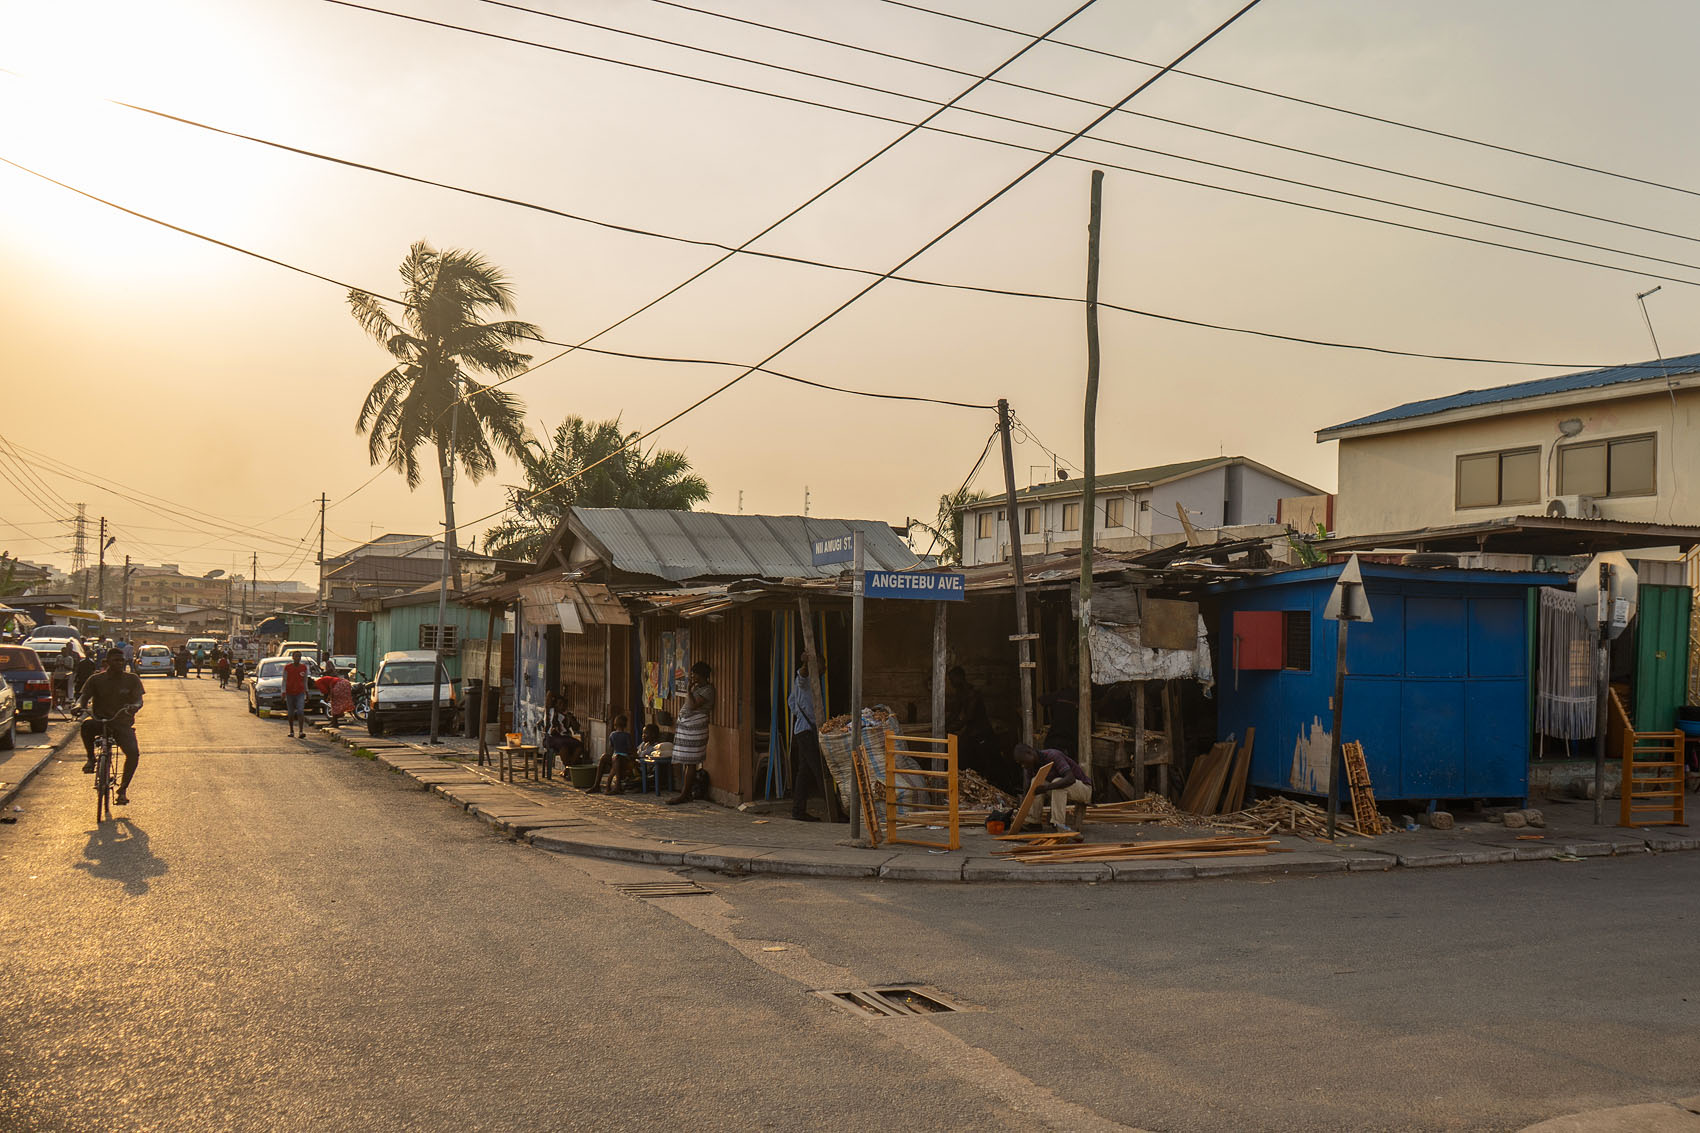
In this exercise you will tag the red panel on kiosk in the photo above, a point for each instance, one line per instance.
(1258, 641)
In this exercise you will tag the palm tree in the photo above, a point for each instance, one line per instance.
(945, 531)
(619, 475)
(429, 396)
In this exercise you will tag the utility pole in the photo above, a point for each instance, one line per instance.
(1088, 493)
(1023, 639)
(253, 588)
(101, 585)
(443, 582)
(80, 550)
(126, 615)
(324, 629)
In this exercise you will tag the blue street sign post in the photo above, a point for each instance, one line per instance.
(834, 549)
(930, 586)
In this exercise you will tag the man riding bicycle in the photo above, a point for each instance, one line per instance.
(112, 691)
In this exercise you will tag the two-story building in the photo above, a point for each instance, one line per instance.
(1601, 444)
(1136, 510)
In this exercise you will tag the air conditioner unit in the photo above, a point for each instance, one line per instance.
(1573, 507)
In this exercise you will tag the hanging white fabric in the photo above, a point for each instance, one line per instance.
(1567, 699)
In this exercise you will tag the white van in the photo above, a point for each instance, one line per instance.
(401, 692)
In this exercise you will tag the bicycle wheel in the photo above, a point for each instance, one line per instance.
(103, 784)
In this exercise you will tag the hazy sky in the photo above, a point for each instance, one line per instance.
(227, 388)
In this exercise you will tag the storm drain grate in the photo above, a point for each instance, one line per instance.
(891, 1002)
(661, 888)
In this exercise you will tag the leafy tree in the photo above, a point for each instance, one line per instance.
(620, 475)
(945, 532)
(439, 344)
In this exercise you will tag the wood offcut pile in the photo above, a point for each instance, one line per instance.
(1151, 808)
(1221, 846)
(973, 791)
(1278, 815)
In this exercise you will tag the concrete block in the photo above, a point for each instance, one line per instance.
(1370, 863)
(607, 846)
(1436, 819)
(1418, 859)
(1485, 855)
(996, 869)
(1589, 849)
(821, 863)
(1153, 871)
(1514, 820)
(725, 859)
(1664, 840)
(914, 867)
(1314, 862)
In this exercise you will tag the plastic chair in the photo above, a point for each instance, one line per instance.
(660, 762)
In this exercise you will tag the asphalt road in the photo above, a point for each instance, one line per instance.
(277, 935)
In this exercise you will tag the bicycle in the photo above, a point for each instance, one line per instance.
(103, 777)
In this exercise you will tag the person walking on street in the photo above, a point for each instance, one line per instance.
(80, 675)
(690, 732)
(111, 692)
(295, 694)
(805, 747)
(200, 660)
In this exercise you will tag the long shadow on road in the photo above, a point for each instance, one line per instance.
(118, 851)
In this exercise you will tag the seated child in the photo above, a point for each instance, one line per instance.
(616, 763)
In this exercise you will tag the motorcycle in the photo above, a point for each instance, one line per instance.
(362, 693)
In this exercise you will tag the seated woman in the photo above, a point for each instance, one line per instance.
(616, 763)
(561, 741)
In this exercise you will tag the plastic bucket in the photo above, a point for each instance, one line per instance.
(584, 775)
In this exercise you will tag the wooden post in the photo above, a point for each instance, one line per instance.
(1602, 714)
(857, 626)
(1024, 642)
(1139, 736)
(940, 664)
(1334, 754)
(1088, 491)
(484, 704)
(1177, 735)
(834, 805)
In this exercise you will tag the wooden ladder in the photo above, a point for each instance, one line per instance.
(1364, 814)
(1652, 793)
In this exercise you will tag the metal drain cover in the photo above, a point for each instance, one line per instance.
(675, 888)
(891, 1002)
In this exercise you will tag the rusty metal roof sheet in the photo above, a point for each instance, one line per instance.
(685, 545)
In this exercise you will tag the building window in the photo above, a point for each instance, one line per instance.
(1071, 517)
(1492, 479)
(1115, 513)
(1030, 521)
(428, 637)
(984, 525)
(1295, 640)
(1621, 467)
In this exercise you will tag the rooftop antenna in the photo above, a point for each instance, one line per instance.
(805, 501)
(740, 501)
(1659, 356)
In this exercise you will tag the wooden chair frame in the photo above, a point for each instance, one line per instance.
(937, 782)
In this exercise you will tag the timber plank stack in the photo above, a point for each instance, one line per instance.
(1364, 814)
(1212, 847)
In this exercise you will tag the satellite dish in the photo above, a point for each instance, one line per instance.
(213, 574)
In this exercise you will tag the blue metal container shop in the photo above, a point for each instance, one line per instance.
(1439, 688)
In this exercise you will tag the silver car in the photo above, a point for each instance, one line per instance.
(265, 687)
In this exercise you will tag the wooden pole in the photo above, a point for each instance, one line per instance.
(484, 704)
(1088, 490)
(856, 629)
(1024, 641)
(1339, 716)
(940, 664)
(1602, 714)
(834, 805)
(1139, 736)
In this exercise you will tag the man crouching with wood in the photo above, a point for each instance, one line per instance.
(1064, 779)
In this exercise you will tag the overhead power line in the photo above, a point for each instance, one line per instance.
(915, 255)
(1316, 104)
(1181, 123)
(633, 355)
(1123, 168)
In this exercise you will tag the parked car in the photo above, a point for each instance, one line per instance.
(344, 662)
(57, 633)
(49, 646)
(202, 645)
(8, 717)
(401, 692)
(32, 688)
(154, 659)
(265, 687)
(308, 650)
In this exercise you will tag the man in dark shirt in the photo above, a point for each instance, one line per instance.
(1066, 781)
(112, 691)
(86, 668)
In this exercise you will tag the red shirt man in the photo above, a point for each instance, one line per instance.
(295, 677)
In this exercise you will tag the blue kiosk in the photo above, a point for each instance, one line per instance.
(1439, 688)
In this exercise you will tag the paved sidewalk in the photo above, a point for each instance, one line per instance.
(33, 751)
(763, 838)
(1659, 1117)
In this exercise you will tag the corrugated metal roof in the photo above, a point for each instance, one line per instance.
(684, 545)
(1539, 387)
(1132, 478)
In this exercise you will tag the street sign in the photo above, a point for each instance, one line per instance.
(1348, 602)
(834, 549)
(928, 586)
(1623, 596)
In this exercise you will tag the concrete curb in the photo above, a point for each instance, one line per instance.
(562, 831)
(51, 753)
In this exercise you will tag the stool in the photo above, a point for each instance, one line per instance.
(658, 769)
(521, 759)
